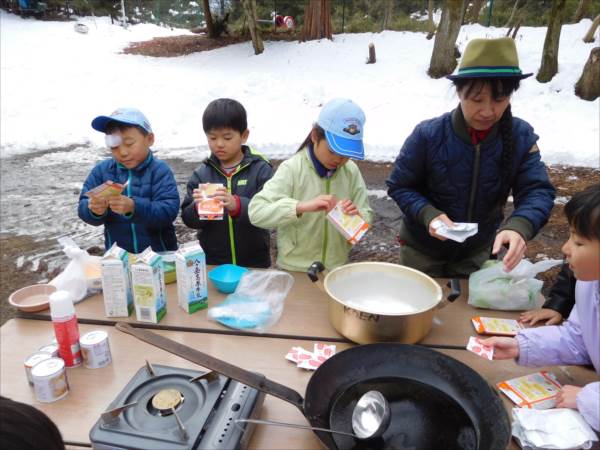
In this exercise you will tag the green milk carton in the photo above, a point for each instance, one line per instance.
(192, 291)
(116, 285)
(148, 285)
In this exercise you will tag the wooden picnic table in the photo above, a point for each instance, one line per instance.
(93, 389)
(305, 316)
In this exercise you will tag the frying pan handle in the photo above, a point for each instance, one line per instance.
(256, 381)
(455, 289)
(314, 270)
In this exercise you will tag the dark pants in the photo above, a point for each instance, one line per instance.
(439, 268)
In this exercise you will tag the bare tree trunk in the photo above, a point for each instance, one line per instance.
(582, 9)
(371, 59)
(250, 10)
(588, 86)
(388, 13)
(512, 14)
(317, 20)
(589, 36)
(472, 15)
(210, 26)
(430, 22)
(443, 61)
(549, 66)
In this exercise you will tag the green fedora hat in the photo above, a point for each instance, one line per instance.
(490, 58)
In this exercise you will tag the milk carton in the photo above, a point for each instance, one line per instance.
(352, 228)
(116, 286)
(190, 263)
(148, 285)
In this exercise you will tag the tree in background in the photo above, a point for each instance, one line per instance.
(472, 15)
(210, 26)
(509, 22)
(430, 22)
(581, 11)
(388, 14)
(443, 60)
(549, 66)
(588, 86)
(251, 17)
(317, 20)
(589, 36)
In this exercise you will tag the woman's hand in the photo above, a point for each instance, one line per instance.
(567, 397)
(504, 347)
(121, 204)
(444, 218)
(516, 248)
(349, 208)
(98, 205)
(319, 203)
(549, 316)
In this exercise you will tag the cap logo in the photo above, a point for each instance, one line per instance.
(352, 127)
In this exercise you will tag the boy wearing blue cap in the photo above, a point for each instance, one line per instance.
(143, 214)
(309, 184)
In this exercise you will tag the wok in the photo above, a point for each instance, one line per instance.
(436, 401)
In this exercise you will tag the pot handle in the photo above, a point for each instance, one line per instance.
(314, 270)
(455, 289)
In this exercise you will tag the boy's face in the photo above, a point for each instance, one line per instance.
(583, 256)
(134, 147)
(226, 144)
(324, 154)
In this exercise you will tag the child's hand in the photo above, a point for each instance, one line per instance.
(444, 218)
(504, 347)
(349, 208)
(549, 316)
(98, 205)
(121, 204)
(319, 203)
(225, 198)
(567, 397)
(516, 248)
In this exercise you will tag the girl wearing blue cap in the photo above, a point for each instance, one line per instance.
(462, 166)
(309, 184)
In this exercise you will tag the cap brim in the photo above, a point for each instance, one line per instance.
(520, 76)
(348, 148)
(100, 123)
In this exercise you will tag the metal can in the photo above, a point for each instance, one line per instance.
(95, 349)
(32, 360)
(50, 380)
(50, 348)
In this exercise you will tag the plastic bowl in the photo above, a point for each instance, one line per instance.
(32, 298)
(226, 277)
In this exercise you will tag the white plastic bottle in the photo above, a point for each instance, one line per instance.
(66, 328)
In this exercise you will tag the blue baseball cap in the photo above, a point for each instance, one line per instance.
(128, 116)
(343, 122)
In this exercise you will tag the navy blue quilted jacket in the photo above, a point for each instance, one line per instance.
(440, 171)
(153, 189)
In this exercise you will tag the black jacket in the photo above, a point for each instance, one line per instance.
(562, 292)
(231, 240)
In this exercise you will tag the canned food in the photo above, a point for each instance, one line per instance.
(52, 349)
(95, 349)
(50, 380)
(32, 360)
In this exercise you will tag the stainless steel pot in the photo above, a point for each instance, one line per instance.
(381, 302)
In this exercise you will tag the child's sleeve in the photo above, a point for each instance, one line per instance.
(562, 293)
(274, 206)
(162, 207)
(553, 345)
(189, 215)
(588, 404)
(264, 174)
(85, 213)
(360, 197)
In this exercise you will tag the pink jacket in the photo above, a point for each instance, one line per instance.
(576, 342)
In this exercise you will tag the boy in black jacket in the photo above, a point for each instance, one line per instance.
(242, 172)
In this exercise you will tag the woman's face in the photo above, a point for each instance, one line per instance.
(480, 109)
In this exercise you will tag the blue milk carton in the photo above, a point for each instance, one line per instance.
(116, 285)
(148, 285)
(192, 291)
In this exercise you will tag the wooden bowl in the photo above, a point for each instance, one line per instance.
(32, 298)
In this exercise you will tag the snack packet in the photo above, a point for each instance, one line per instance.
(496, 326)
(209, 208)
(106, 189)
(537, 390)
(352, 228)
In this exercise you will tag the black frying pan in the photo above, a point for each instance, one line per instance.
(436, 401)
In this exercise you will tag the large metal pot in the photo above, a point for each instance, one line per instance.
(381, 302)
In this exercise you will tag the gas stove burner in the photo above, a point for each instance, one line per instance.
(180, 409)
(165, 401)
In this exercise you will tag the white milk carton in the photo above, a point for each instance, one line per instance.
(148, 285)
(116, 286)
(190, 263)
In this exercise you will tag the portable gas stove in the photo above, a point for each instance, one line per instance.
(170, 408)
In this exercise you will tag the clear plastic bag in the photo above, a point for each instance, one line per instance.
(257, 302)
(493, 288)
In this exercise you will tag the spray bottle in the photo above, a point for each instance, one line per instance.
(66, 328)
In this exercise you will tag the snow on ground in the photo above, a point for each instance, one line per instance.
(53, 81)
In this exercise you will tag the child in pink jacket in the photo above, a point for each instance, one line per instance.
(577, 341)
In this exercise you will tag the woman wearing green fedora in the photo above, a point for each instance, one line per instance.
(462, 166)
